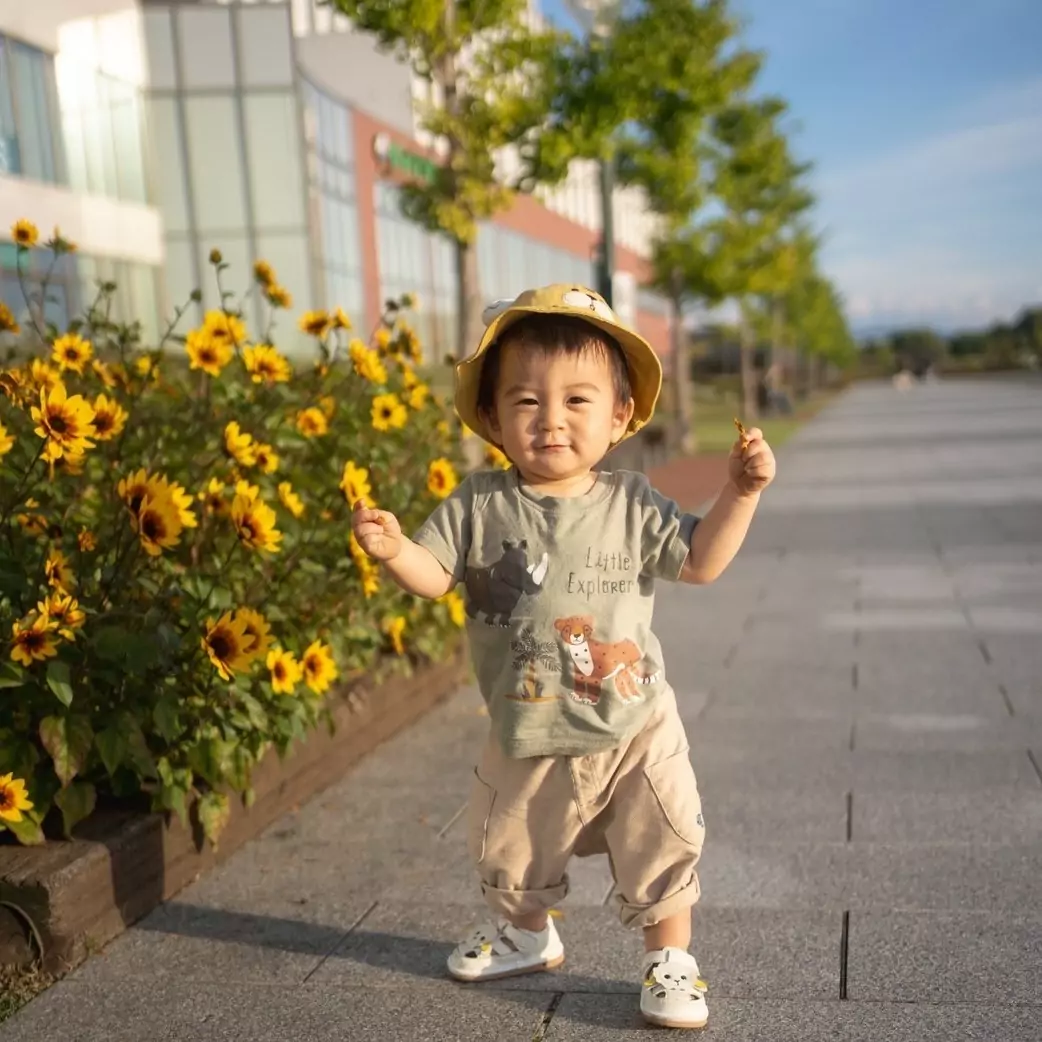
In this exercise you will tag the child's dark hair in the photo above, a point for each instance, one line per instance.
(555, 335)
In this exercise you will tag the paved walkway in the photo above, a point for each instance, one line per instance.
(862, 690)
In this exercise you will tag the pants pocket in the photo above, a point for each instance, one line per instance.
(479, 811)
(673, 782)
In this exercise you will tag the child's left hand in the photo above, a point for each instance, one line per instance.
(751, 465)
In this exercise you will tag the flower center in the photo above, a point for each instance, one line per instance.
(221, 645)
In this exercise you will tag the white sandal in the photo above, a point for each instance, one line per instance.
(673, 995)
(499, 949)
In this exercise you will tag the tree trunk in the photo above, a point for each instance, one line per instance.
(746, 348)
(683, 410)
(468, 299)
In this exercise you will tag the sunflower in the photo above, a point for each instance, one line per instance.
(43, 375)
(264, 273)
(64, 611)
(371, 583)
(25, 233)
(105, 374)
(86, 541)
(394, 628)
(248, 491)
(367, 362)
(33, 524)
(6, 441)
(33, 643)
(497, 457)
(355, 484)
(132, 490)
(315, 323)
(266, 365)
(340, 319)
(66, 423)
(388, 412)
(267, 458)
(318, 667)
(441, 478)
(58, 573)
(417, 397)
(279, 296)
(408, 343)
(240, 445)
(455, 606)
(383, 338)
(327, 403)
(158, 524)
(141, 484)
(257, 632)
(285, 671)
(226, 644)
(13, 798)
(312, 422)
(290, 500)
(224, 326)
(8, 324)
(212, 497)
(207, 352)
(254, 523)
(109, 418)
(71, 352)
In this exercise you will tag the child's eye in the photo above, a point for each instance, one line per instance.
(527, 401)
(576, 400)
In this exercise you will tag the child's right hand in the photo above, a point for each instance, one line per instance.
(377, 531)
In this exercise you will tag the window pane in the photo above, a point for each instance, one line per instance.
(141, 283)
(274, 164)
(264, 47)
(9, 161)
(36, 147)
(288, 254)
(180, 276)
(160, 46)
(170, 172)
(215, 162)
(206, 47)
(127, 141)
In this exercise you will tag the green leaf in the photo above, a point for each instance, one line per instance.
(12, 675)
(58, 680)
(210, 758)
(113, 747)
(76, 802)
(214, 810)
(27, 831)
(18, 755)
(167, 718)
(109, 643)
(68, 739)
(255, 711)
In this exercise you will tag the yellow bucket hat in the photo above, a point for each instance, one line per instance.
(561, 299)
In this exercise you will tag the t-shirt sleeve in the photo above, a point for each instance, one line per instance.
(665, 535)
(447, 532)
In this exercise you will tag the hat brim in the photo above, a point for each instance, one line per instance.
(645, 367)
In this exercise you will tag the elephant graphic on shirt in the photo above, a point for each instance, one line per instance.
(495, 589)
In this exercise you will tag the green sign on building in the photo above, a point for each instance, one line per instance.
(394, 157)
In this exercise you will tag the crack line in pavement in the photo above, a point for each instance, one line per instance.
(351, 929)
(853, 733)
(984, 650)
(844, 948)
(850, 816)
(540, 1034)
(854, 676)
(1007, 700)
(1035, 764)
(452, 821)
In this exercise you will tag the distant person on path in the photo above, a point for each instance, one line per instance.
(587, 753)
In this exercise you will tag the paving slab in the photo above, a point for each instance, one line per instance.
(876, 770)
(988, 816)
(591, 1018)
(933, 957)
(189, 1011)
(965, 732)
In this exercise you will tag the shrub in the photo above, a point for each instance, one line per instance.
(179, 589)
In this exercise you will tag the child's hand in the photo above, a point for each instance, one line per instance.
(751, 466)
(377, 531)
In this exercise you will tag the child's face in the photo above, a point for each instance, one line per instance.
(556, 415)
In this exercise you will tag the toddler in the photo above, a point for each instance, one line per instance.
(586, 752)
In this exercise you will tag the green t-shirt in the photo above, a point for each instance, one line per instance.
(559, 596)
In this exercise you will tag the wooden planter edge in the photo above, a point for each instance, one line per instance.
(81, 894)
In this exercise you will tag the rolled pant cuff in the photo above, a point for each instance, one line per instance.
(524, 902)
(640, 916)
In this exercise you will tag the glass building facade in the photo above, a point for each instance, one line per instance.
(29, 141)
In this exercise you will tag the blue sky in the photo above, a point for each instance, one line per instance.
(923, 119)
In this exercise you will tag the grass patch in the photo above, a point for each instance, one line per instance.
(18, 986)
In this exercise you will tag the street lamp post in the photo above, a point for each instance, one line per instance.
(597, 18)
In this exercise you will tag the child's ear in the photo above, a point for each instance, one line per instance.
(492, 422)
(620, 420)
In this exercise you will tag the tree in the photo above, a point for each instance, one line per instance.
(759, 236)
(490, 100)
(642, 96)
